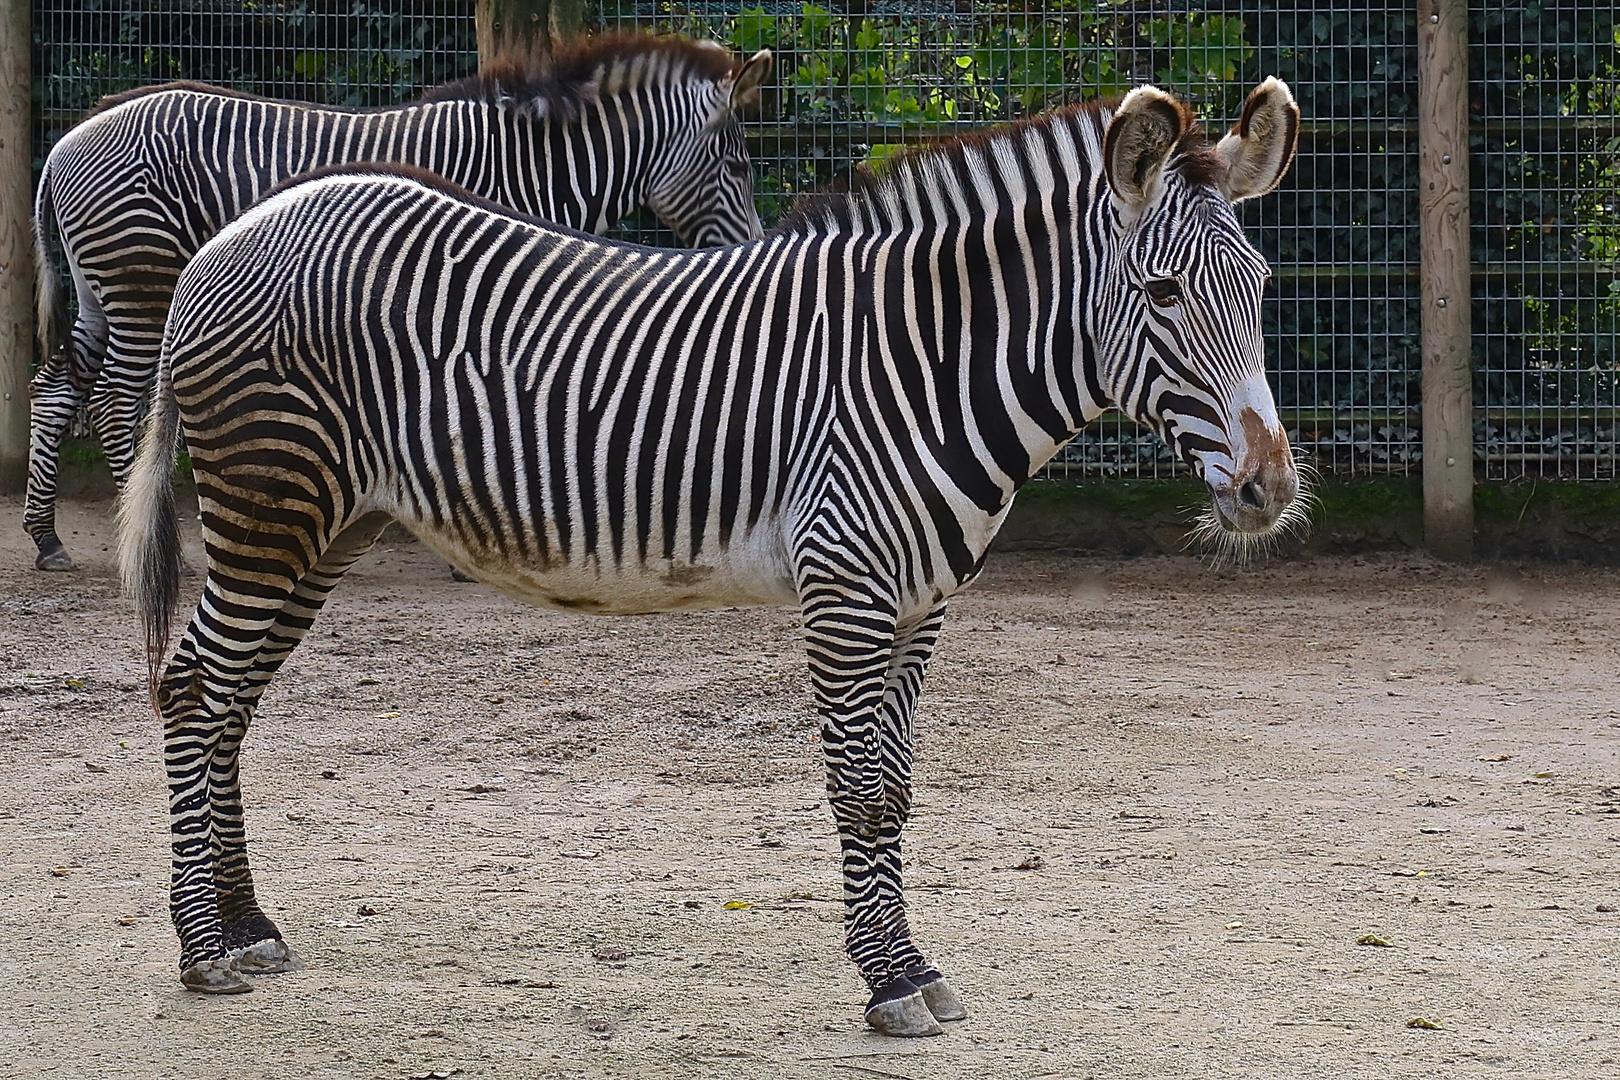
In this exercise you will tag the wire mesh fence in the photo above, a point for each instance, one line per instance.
(857, 81)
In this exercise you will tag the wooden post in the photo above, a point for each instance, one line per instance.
(1448, 384)
(520, 30)
(16, 244)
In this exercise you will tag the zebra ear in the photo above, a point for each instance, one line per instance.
(1141, 136)
(746, 80)
(1258, 151)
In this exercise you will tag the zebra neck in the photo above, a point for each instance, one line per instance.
(552, 167)
(983, 274)
(585, 171)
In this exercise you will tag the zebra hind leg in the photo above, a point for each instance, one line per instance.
(194, 700)
(57, 392)
(244, 597)
(55, 400)
(251, 937)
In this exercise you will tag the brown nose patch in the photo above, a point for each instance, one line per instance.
(1266, 446)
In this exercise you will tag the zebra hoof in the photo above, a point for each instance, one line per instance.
(53, 556)
(215, 977)
(898, 1009)
(456, 574)
(938, 995)
(269, 957)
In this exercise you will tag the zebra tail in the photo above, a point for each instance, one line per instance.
(148, 530)
(50, 295)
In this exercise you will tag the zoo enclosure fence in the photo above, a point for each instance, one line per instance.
(858, 80)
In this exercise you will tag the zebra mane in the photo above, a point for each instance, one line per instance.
(559, 82)
(1194, 158)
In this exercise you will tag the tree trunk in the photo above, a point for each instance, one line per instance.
(16, 244)
(523, 30)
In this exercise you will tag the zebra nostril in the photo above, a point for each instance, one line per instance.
(1249, 495)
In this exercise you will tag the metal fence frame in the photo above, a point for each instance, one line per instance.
(1343, 322)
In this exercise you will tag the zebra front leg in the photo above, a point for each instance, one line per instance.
(914, 645)
(251, 937)
(851, 646)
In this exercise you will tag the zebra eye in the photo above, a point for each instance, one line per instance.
(1166, 292)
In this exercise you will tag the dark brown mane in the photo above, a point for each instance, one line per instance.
(1194, 158)
(560, 79)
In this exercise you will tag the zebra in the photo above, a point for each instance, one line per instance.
(581, 139)
(836, 416)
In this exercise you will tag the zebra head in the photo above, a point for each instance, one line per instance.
(703, 186)
(1179, 345)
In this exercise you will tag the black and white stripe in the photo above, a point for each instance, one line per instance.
(837, 416)
(138, 187)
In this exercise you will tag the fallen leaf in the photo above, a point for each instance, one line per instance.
(365, 911)
(126, 920)
(1234, 926)
(91, 767)
(59, 871)
(736, 905)
(1425, 1023)
(73, 684)
(387, 716)
(1374, 939)
(1497, 757)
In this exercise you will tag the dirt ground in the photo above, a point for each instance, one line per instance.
(1157, 807)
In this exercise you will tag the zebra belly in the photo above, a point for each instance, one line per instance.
(755, 571)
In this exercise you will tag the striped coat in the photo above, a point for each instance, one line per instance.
(837, 416)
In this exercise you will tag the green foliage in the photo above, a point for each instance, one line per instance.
(1205, 51)
(340, 52)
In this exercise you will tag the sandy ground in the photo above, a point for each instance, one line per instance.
(1224, 779)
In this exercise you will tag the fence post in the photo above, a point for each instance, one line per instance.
(1448, 384)
(523, 29)
(16, 244)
